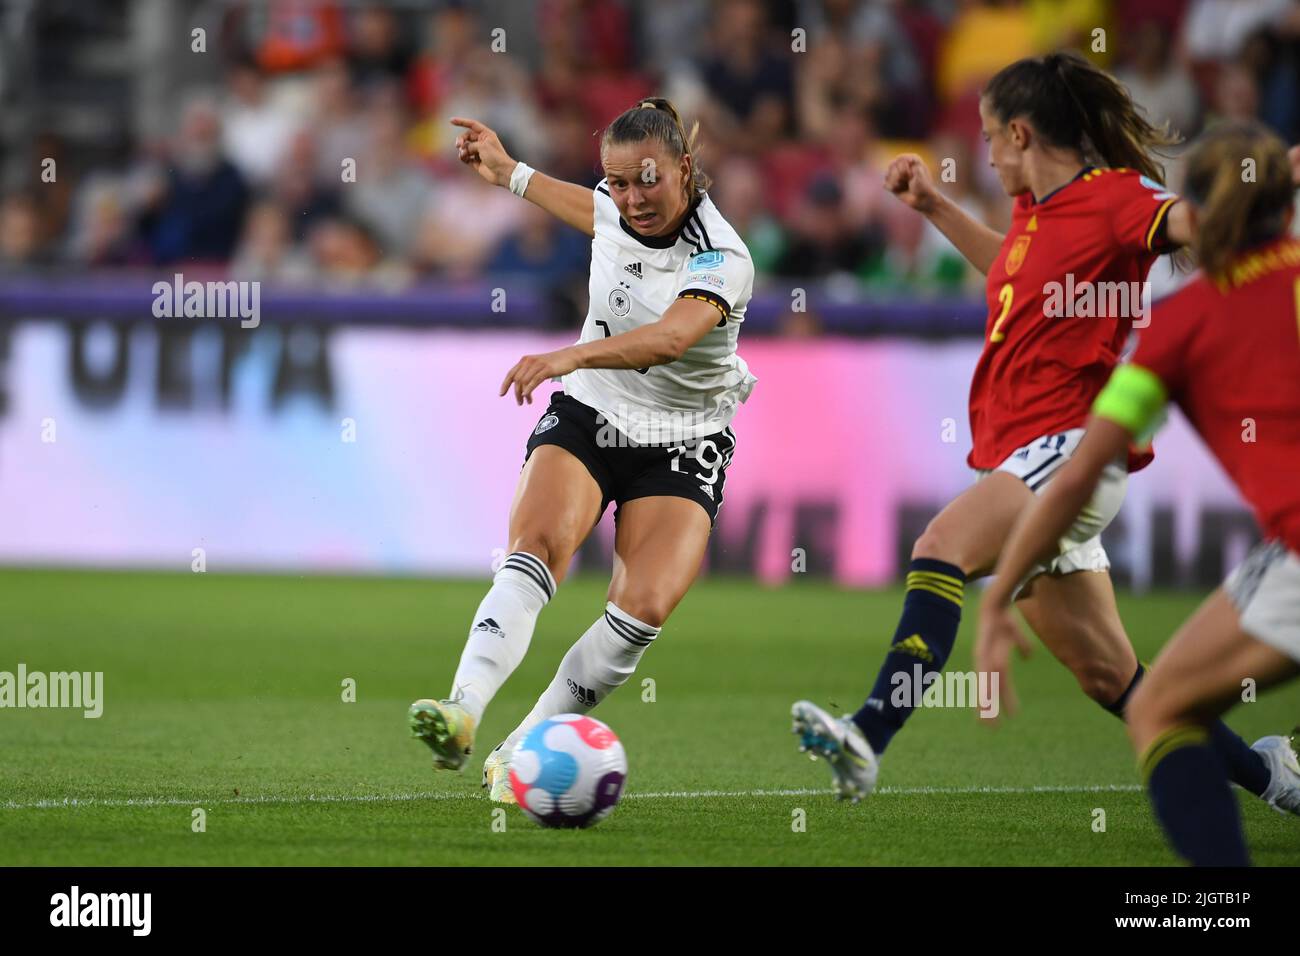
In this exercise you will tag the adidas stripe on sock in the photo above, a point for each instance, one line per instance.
(600, 662)
(502, 630)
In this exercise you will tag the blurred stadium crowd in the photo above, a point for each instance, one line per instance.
(239, 168)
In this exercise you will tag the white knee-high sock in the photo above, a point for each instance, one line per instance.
(598, 664)
(502, 629)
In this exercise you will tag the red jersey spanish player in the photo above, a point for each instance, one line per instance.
(1062, 296)
(1226, 350)
(1090, 219)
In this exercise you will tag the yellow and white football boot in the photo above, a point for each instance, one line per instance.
(496, 777)
(446, 727)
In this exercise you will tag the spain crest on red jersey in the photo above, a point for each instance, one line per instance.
(1016, 257)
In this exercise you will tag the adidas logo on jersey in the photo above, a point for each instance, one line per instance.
(634, 268)
(585, 695)
(708, 490)
(490, 626)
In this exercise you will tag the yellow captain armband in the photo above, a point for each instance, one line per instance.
(1134, 399)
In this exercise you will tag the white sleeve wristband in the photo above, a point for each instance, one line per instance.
(520, 177)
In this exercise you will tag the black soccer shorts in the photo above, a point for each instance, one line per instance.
(695, 469)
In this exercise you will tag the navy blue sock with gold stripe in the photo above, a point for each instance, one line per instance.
(921, 645)
(1246, 768)
(1192, 800)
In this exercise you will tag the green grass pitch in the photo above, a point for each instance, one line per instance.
(225, 693)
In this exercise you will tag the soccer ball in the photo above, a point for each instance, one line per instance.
(568, 772)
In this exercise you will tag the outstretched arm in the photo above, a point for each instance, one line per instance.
(909, 180)
(481, 150)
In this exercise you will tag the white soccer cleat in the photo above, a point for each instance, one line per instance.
(1283, 791)
(496, 777)
(853, 763)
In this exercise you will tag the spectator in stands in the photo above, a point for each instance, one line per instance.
(883, 70)
(379, 54)
(739, 192)
(1218, 29)
(346, 254)
(20, 234)
(542, 249)
(673, 34)
(824, 243)
(254, 132)
(53, 197)
(316, 88)
(338, 123)
(1157, 82)
(463, 222)
(304, 194)
(572, 150)
(291, 35)
(916, 255)
(267, 252)
(597, 34)
(201, 207)
(1236, 95)
(1273, 56)
(749, 78)
(102, 236)
(586, 62)
(390, 192)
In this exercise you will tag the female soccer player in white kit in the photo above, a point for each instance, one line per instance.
(643, 420)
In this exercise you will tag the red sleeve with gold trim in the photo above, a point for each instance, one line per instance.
(1139, 209)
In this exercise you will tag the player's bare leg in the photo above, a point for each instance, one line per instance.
(659, 545)
(658, 549)
(1076, 618)
(557, 503)
(971, 530)
(1195, 679)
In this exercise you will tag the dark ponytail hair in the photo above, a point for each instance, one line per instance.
(1234, 213)
(656, 118)
(1074, 105)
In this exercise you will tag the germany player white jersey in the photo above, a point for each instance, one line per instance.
(634, 279)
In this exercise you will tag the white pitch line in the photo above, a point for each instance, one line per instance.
(77, 802)
(897, 791)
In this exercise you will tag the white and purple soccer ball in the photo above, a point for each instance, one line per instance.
(569, 771)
